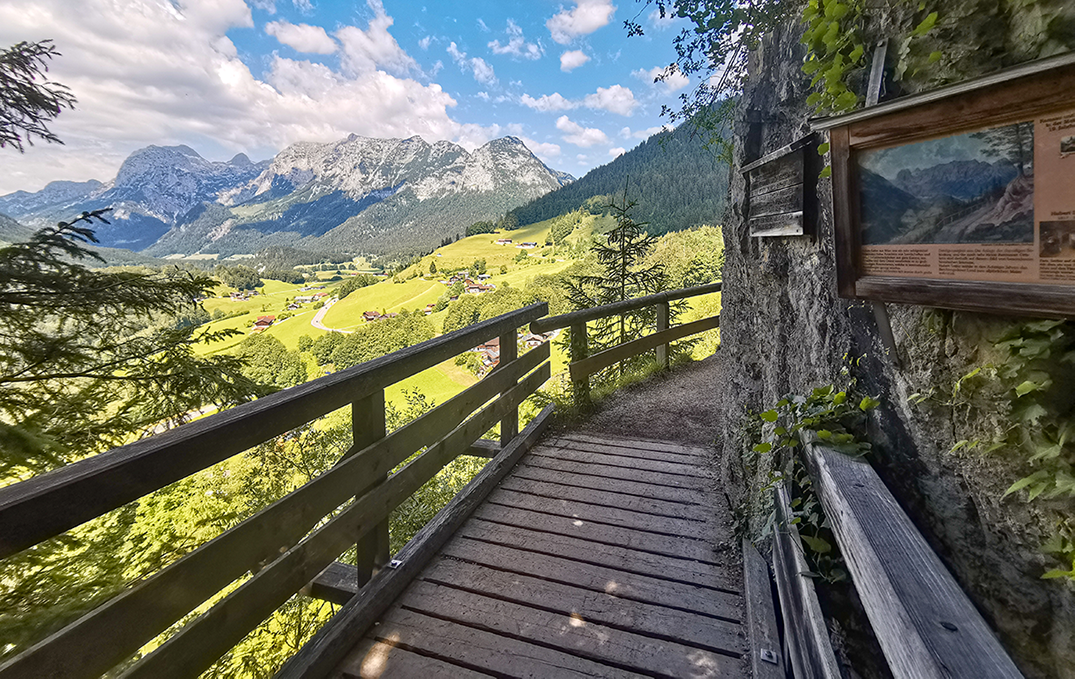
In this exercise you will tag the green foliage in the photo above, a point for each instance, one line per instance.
(353, 283)
(692, 257)
(269, 363)
(378, 338)
(503, 269)
(831, 417)
(239, 277)
(713, 51)
(470, 309)
(623, 274)
(432, 266)
(836, 48)
(323, 347)
(285, 275)
(522, 256)
(88, 357)
(480, 227)
(305, 343)
(28, 100)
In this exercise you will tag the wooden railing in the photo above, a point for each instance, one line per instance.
(924, 622)
(279, 546)
(583, 364)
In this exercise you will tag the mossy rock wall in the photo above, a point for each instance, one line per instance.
(783, 329)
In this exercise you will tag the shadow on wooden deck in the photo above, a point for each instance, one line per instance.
(597, 556)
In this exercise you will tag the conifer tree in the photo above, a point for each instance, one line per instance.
(622, 276)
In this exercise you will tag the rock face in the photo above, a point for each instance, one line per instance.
(358, 194)
(784, 330)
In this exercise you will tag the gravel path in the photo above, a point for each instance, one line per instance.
(676, 406)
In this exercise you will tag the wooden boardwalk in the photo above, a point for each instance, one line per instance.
(596, 557)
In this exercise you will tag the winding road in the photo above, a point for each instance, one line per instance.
(320, 315)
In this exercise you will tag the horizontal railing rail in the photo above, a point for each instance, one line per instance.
(583, 365)
(592, 314)
(47, 505)
(275, 545)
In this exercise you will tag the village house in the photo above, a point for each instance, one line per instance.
(263, 322)
(527, 245)
(430, 308)
(370, 316)
(304, 299)
(503, 241)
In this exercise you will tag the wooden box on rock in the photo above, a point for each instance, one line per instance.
(781, 191)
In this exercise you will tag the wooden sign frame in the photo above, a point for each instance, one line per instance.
(782, 190)
(1031, 92)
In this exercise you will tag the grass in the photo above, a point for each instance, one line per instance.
(385, 296)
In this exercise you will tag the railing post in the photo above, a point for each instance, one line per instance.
(579, 351)
(509, 351)
(662, 324)
(368, 426)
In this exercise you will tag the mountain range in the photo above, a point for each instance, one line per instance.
(357, 195)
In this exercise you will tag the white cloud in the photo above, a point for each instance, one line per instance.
(586, 17)
(616, 99)
(572, 59)
(484, 96)
(170, 75)
(617, 152)
(304, 6)
(301, 37)
(424, 42)
(581, 158)
(578, 135)
(672, 82)
(366, 50)
(548, 102)
(517, 45)
(479, 68)
(265, 5)
(543, 150)
(481, 25)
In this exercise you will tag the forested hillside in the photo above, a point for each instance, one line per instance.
(677, 181)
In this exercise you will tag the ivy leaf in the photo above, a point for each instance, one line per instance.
(819, 545)
(813, 99)
(769, 415)
(926, 25)
(1023, 483)
(780, 431)
(934, 57)
(824, 434)
(868, 403)
(763, 447)
(839, 398)
(1057, 573)
(827, 172)
(856, 53)
(811, 66)
(847, 100)
(1025, 388)
(822, 149)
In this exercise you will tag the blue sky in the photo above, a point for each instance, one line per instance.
(252, 76)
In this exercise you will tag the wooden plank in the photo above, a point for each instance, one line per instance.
(106, 636)
(572, 632)
(629, 502)
(766, 653)
(646, 490)
(779, 153)
(809, 648)
(845, 213)
(999, 78)
(378, 660)
(778, 174)
(663, 313)
(608, 357)
(596, 444)
(579, 349)
(1021, 299)
(509, 351)
(606, 457)
(781, 201)
(584, 315)
(924, 622)
(199, 643)
(638, 444)
(594, 468)
(487, 545)
(785, 224)
(672, 547)
(332, 643)
(656, 622)
(335, 584)
(368, 427)
(614, 516)
(49, 504)
(496, 654)
(483, 448)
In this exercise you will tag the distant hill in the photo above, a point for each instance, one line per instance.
(677, 181)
